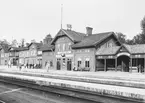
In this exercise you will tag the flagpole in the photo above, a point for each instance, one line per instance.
(61, 14)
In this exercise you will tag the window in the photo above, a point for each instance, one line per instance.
(51, 63)
(87, 63)
(58, 47)
(79, 63)
(63, 47)
(69, 46)
(134, 62)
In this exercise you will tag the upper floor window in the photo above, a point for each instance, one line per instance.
(63, 47)
(69, 46)
(110, 44)
(58, 47)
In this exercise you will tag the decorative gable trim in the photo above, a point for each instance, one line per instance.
(59, 34)
(122, 49)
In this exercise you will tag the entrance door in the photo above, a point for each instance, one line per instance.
(123, 63)
(69, 64)
(58, 65)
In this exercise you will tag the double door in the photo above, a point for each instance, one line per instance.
(64, 63)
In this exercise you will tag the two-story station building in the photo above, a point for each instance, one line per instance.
(71, 50)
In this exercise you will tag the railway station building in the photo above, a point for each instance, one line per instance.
(75, 51)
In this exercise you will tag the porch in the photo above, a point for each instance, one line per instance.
(120, 58)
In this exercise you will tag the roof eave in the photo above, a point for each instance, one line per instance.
(80, 47)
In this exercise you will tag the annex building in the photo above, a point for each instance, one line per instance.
(75, 51)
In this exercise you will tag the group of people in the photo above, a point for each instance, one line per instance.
(30, 66)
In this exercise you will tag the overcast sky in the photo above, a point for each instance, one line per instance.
(34, 19)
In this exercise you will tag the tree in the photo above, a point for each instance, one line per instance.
(137, 39)
(130, 42)
(22, 42)
(143, 25)
(121, 37)
(14, 43)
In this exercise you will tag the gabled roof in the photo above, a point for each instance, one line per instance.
(132, 49)
(108, 51)
(5, 47)
(13, 49)
(93, 40)
(22, 48)
(38, 45)
(135, 49)
(47, 47)
(73, 35)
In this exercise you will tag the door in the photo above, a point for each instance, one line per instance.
(69, 64)
(58, 65)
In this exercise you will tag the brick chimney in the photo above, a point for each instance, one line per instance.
(89, 31)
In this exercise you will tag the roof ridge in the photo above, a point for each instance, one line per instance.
(103, 33)
(110, 33)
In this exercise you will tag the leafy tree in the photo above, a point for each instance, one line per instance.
(143, 25)
(22, 42)
(137, 39)
(14, 43)
(121, 37)
(130, 42)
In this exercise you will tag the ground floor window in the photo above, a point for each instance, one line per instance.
(87, 63)
(51, 63)
(137, 61)
(134, 62)
(58, 64)
(79, 63)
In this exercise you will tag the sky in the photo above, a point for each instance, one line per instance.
(34, 19)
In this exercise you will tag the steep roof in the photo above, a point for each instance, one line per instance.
(38, 45)
(108, 51)
(92, 40)
(76, 36)
(73, 35)
(47, 47)
(13, 49)
(135, 49)
(5, 47)
(22, 48)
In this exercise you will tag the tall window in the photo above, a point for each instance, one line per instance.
(58, 47)
(79, 63)
(87, 63)
(63, 47)
(69, 46)
(51, 63)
